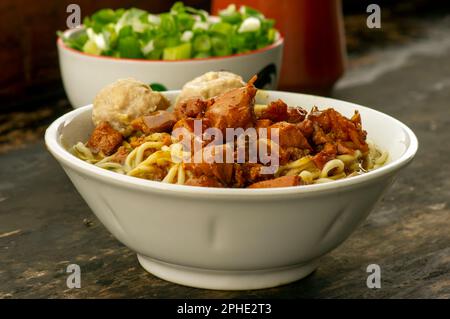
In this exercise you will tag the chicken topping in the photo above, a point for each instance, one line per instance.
(233, 109)
(284, 181)
(193, 107)
(104, 139)
(159, 121)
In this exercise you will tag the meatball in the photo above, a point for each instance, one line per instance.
(125, 100)
(210, 85)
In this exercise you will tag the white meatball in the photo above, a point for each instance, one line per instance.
(211, 84)
(121, 102)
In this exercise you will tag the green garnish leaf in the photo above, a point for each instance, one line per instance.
(182, 33)
(180, 52)
(129, 47)
(202, 43)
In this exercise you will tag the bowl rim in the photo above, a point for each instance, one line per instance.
(52, 141)
(60, 43)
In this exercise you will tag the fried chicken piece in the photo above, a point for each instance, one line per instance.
(289, 154)
(203, 181)
(328, 153)
(345, 147)
(331, 126)
(276, 111)
(296, 114)
(136, 141)
(206, 163)
(104, 139)
(156, 122)
(191, 108)
(120, 155)
(184, 131)
(290, 135)
(248, 173)
(319, 137)
(263, 123)
(233, 109)
(306, 127)
(284, 181)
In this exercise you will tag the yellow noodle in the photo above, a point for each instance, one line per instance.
(300, 164)
(170, 177)
(381, 159)
(348, 158)
(81, 151)
(259, 108)
(177, 153)
(169, 159)
(141, 170)
(292, 172)
(181, 176)
(129, 160)
(142, 148)
(337, 176)
(323, 180)
(308, 177)
(152, 159)
(335, 165)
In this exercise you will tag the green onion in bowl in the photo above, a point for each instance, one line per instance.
(181, 33)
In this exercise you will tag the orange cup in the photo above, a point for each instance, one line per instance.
(314, 54)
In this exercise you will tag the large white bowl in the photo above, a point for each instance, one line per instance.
(84, 75)
(232, 238)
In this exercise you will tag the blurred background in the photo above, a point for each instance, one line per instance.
(31, 91)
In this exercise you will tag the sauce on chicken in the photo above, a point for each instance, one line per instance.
(307, 142)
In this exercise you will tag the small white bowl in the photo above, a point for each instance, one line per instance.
(84, 75)
(233, 239)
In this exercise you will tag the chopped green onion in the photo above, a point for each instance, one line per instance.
(168, 24)
(222, 27)
(129, 47)
(182, 33)
(202, 43)
(91, 47)
(180, 52)
(250, 24)
(220, 46)
(187, 36)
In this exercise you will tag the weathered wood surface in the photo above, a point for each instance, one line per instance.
(45, 225)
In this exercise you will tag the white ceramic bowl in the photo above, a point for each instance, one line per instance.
(84, 75)
(233, 239)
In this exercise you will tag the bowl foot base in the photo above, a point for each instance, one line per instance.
(226, 280)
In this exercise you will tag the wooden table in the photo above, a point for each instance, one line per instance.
(45, 225)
